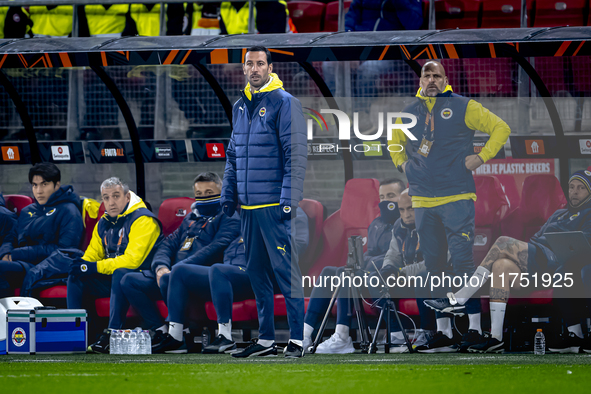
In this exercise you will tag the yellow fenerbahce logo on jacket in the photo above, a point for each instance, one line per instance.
(262, 111)
(446, 113)
(50, 212)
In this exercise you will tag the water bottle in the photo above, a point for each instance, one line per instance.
(113, 342)
(126, 342)
(539, 343)
(133, 343)
(204, 337)
(145, 343)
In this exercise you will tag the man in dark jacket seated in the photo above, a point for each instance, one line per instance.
(379, 235)
(53, 222)
(510, 257)
(124, 240)
(183, 259)
(8, 219)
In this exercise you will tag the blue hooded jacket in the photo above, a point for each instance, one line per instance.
(562, 220)
(7, 219)
(42, 229)
(379, 15)
(266, 156)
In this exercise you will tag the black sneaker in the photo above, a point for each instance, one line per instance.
(221, 344)
(293, 351)
(256, 350)
(587, 344)
(568, 343)
(440, 343)
(446, 305)
(168, 345)
(487, 345)
(102, 345)
(158, 336)
(472, 337)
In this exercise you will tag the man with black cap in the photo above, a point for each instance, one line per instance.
(509, 257)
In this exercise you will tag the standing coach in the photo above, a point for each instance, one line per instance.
(265, 170)
(439, 165)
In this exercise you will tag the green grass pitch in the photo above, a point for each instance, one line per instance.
(379, 373)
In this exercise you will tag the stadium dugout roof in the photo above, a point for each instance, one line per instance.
(304, 47)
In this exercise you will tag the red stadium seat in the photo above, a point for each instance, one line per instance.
(540, 198)
(549, 13)
(103, 304)
(453, 14)
(54, 292)
(331, 17)
(491, 207)
(16, 202)
(510, 188)
(501, 14)
(90, 224)
(489, 77)
(306, 15)
(358, 209)
(408, 306)
(172, 212)
(315, 212)
(241, 311)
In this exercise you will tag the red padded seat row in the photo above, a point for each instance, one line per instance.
(16, 202)
(541, 196)
(306, 15)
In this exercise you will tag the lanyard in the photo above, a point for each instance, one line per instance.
(429, 120)
(416, 250)
(118, 243)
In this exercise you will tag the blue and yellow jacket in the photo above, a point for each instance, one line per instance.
(267, 153)
(450, 121)
(8, 219)
(42, 229)
(198, 241)
(270, 17)
(127, 241)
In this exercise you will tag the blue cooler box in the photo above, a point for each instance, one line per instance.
(46, 331)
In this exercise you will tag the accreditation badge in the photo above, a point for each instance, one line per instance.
(425, 147)
(187, 244)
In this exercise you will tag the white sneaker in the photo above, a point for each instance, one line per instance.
(395, 340)
(336, 345)
(307, 344)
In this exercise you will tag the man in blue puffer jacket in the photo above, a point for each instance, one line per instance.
(265, 170)
(53, 222)
(8, 219)
(379, 15)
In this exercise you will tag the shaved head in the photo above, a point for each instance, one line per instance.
(433, 80)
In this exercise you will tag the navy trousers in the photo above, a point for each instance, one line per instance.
(142, 292)
(448, 227)
(270, 251)
(12, 274)
(83, 290)
(185, 283)
(228, 283)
